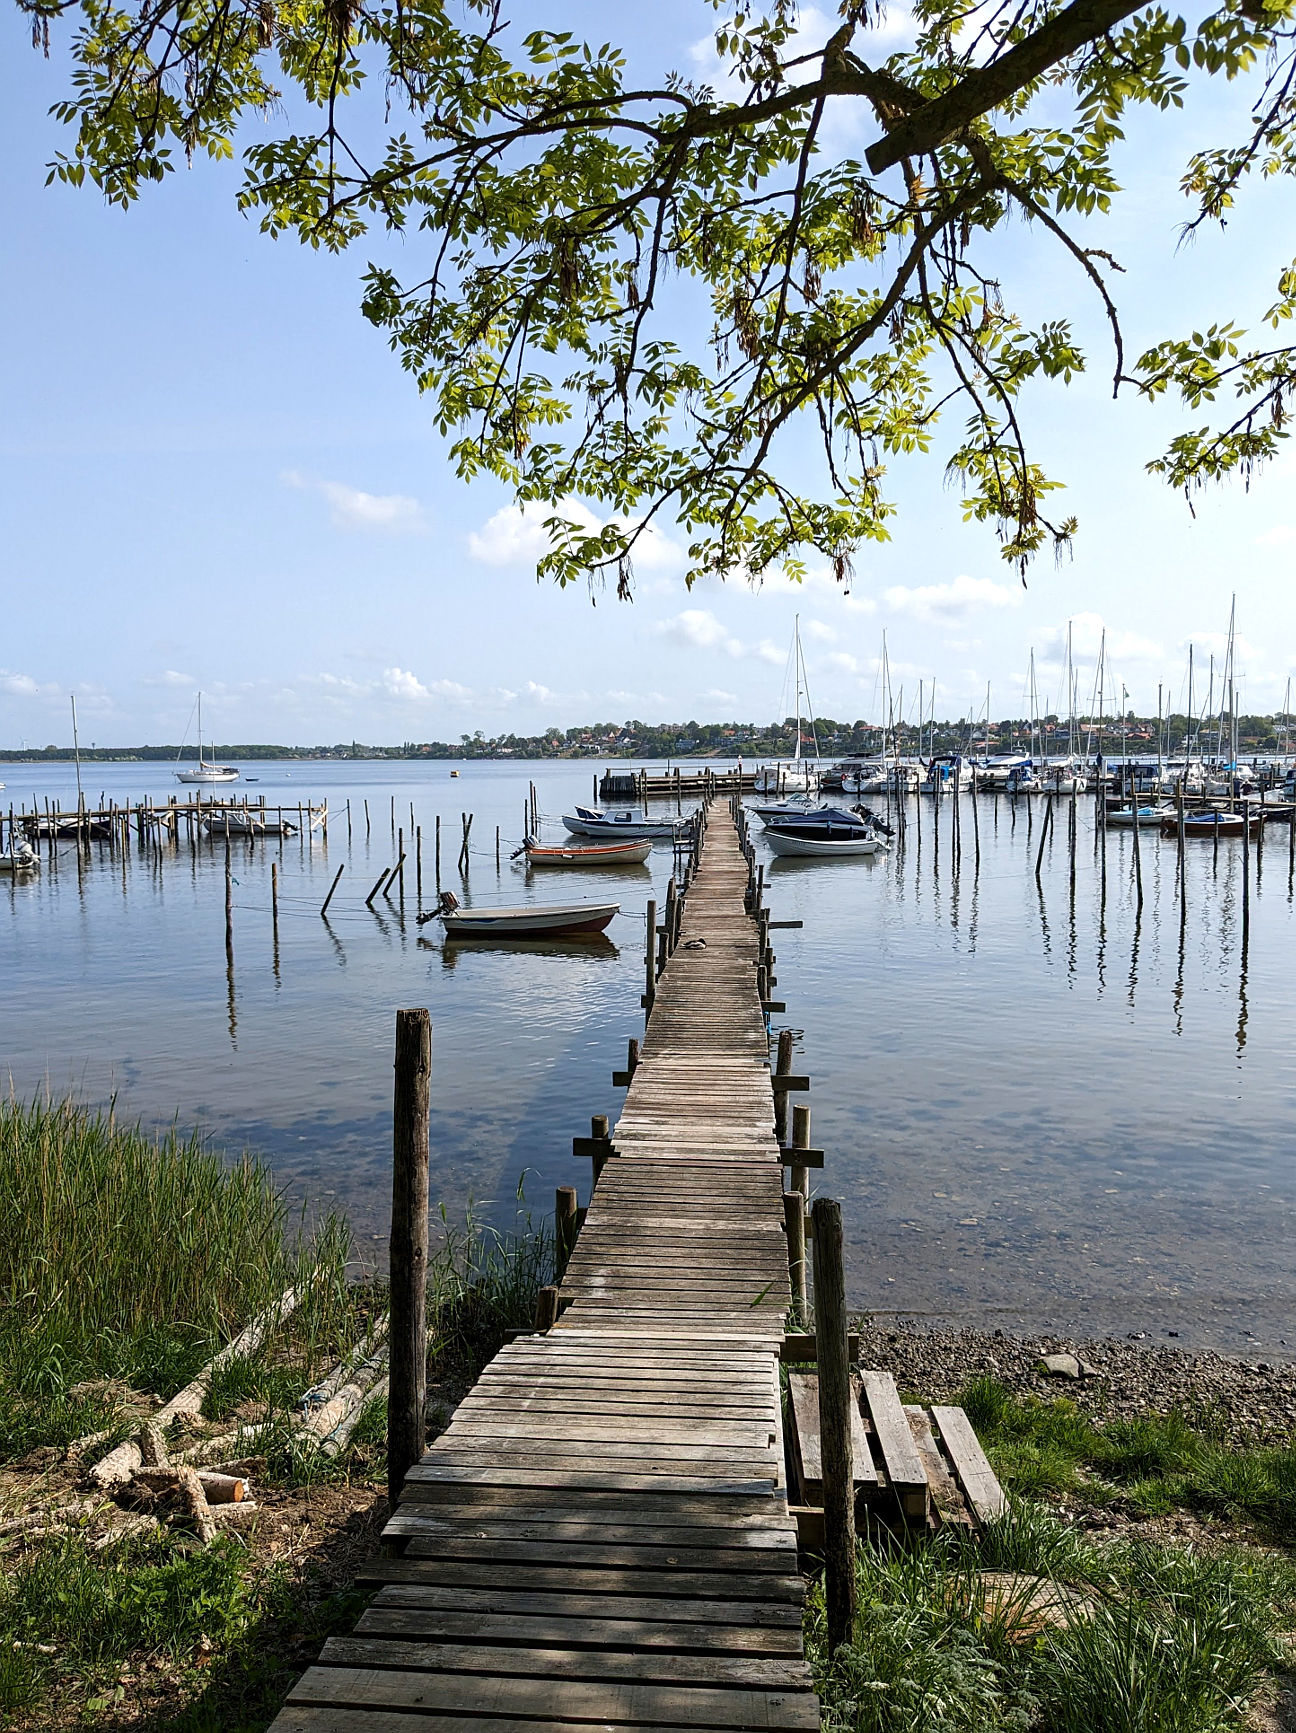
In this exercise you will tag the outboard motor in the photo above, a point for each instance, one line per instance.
(446, 904)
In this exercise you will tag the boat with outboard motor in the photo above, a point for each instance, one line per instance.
(830, 830)
(535, 921)
(592, 821)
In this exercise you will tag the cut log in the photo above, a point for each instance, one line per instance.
(120, 1464)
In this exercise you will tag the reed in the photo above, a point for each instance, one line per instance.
(132, 1257)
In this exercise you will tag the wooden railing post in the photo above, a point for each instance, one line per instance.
(782, 1065)
(801, 1140)
(564, 1226)
(794, 1225)
(835, 1397)
(407, 1392)
(650, 958)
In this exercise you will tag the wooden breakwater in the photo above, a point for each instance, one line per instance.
(602, 1535)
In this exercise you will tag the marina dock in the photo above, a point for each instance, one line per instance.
(602, 1535)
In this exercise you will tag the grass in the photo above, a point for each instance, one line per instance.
(1143, 1639)
(1152, 1465)
(130, 1257)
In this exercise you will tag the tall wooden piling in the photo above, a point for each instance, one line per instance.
(650, 958)
(832, 1353)
(229, 906)
(782, 1065)
(801, 1140)
(794, 1226)
(407, 1390)
(328, 899)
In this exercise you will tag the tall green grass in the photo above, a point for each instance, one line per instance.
(132, 1257)
(1144, 1639)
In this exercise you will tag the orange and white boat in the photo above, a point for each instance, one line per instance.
(633, 852)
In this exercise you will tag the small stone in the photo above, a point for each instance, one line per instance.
(1060, 1366)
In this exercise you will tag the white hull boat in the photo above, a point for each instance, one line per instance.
(249, 823)
(534, 921)
(822, 847)
(22, 859)
(589, 821)
(203, 772)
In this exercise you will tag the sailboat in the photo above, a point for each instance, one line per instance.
(798, 776)
(203, 771)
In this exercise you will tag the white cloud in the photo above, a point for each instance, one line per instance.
(19, 685)
(1087, 638)
(841, 663)
(950, 601)
(717, 697)
(516, 536)
(817, 629)
(698, 629)
(393, 513)
(859, 604)
(1280, 536)
(1216, 644)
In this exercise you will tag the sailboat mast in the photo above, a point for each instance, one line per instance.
(76, 753)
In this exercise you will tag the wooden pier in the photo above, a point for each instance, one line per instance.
(602, 1535)
(672, 784)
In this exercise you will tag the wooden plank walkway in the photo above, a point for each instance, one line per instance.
(601, 1536)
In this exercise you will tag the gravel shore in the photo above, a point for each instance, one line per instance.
(1253, 1402)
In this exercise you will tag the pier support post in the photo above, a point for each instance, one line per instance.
(229, 906)
(564, 1227)
(794, 1225)
(835, 1396)
(407, 1397)
(782, 1065)
(801, 1140)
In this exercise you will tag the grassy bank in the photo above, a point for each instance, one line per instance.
(1031, 1626)
(125, 1262)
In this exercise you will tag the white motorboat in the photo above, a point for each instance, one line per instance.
(246, 821)
(203, 771)
(534, 921)
(592, 821)
(796, 806)
(1123, 817)
(19, 858)
(823, 847)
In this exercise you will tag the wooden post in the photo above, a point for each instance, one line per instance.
(418, 867)
(366, 807)
(801, 1140)
(497, 842)
(601, 1131)
(650, 958)
(546, 1308)
(835, 1398)
(1138, 853)
(564, 1227)
(436, 858)
(1246, 873)
(229, 906)
(782, 1065)
(328, 899)
(407, 1390)
(794, 1223)
(348, 821)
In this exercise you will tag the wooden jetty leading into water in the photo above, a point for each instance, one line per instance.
(602, 1535)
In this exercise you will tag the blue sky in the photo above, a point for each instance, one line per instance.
(215, 474)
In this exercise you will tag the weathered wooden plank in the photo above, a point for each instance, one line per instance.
(503, 1629)
(803, 1390)
(632, 1704)
(421, 1564)
(899, 1453)
(573, 1603)
(946, 1497)
(970, 1463)
(762, 1673)
(559, 1524)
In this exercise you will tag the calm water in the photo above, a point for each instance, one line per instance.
(1039, 1110)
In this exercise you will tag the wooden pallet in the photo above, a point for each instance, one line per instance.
(923, 1465)
(601, 1537)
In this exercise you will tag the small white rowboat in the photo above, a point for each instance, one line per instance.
(616, 826)
(20, 859)
(539, 921)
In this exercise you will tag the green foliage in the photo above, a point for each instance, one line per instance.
(1154, 1463)
(547, 195)
(949, 1635)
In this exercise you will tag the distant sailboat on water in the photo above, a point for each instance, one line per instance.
(203, 771)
